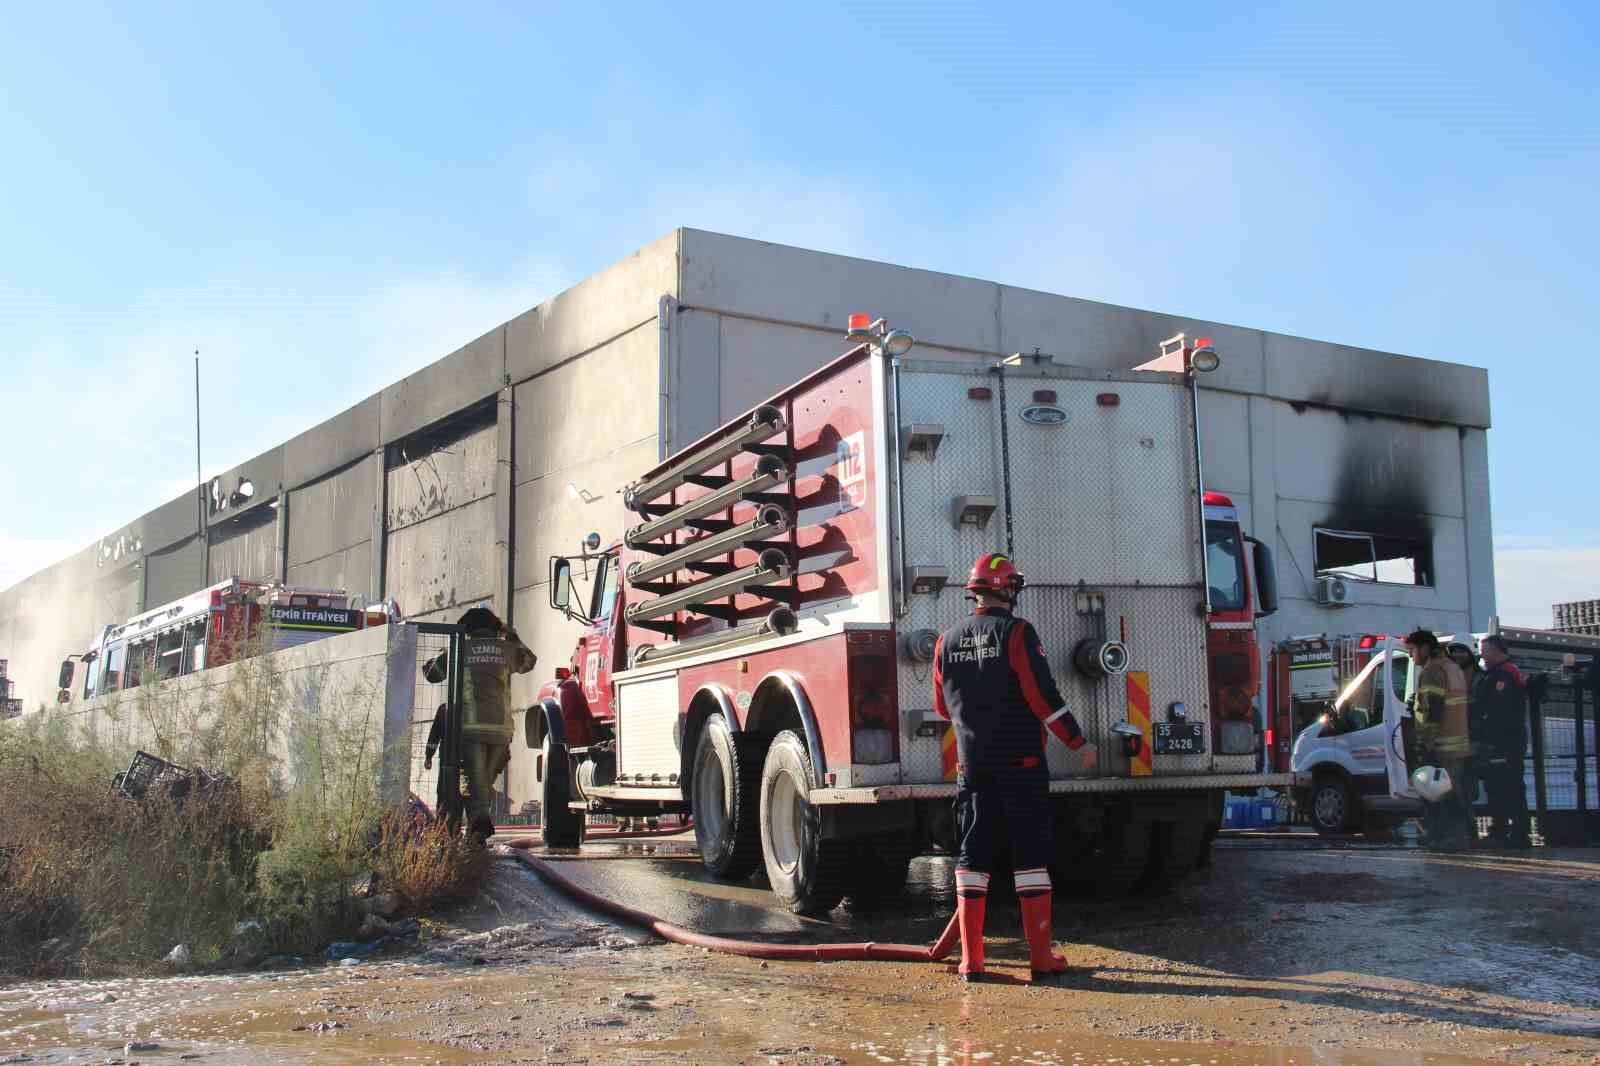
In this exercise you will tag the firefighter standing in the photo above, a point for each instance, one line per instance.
(1440, 714)
(492, 652)
(1500, 743)
(992, 682)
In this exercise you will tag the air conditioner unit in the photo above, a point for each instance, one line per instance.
(1333, 592)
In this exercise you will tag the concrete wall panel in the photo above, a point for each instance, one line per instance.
(1363, 463)
(606, 305)
(1296, 576)
(451, 475)
(1225, 442)
(1480, 531)
(761, 358)
(551, 522)
(772, 281)
(1342, 376)
(589, 408)
(245, 549)
(339, 441)
(441, 389)
(168, 524)
(174, 573)
(332, 514)
(696, 385)
(444, 562)
(349, 569)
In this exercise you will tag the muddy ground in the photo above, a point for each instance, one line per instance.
(1284, 953)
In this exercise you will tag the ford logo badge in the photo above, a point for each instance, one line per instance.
(1044, 414)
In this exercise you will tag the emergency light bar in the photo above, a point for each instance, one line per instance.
(769, 471)
(765, 421)
(770, 521)
(780, 622)
(772, 565)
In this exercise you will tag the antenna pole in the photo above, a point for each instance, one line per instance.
(200, 488)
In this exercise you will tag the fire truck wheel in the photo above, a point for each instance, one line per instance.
(725, 801)
(1175, 849)
(560, 825)
(877, 871)
(1333, 806)
(806, 871)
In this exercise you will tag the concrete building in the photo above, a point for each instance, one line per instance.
(455, 485)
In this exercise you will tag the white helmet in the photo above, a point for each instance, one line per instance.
(1432, 783)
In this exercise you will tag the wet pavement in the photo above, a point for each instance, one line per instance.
(1283, 953)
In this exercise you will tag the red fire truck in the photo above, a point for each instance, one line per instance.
(756, 649)
(211, 627)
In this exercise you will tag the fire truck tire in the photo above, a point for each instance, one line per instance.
(725, 798)
(1124, 853)
(1333, 806)
(560, 825)
(877, 871)
(806, 871)
(1175, 851)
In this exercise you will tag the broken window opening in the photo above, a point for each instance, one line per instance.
(1376, 557)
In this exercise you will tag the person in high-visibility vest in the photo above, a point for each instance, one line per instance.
(1440, 715)
(992, 681)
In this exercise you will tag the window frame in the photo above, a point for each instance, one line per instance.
(1422, 557)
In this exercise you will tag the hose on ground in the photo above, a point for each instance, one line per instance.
(753, 949)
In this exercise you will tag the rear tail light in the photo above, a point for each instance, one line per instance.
(874, 697)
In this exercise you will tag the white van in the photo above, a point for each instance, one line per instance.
(1355, 754)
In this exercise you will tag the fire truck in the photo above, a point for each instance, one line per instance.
(211, 627)
(757, 649)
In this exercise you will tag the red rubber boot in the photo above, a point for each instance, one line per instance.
(1044, 962)
(972, 900)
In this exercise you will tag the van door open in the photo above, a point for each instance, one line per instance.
(1396, 712)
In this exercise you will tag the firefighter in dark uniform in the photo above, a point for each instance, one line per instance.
(992, 682)
(1500, 743)
(492, 652)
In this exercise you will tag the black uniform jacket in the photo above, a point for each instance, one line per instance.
(990, 678)
(1500, 713)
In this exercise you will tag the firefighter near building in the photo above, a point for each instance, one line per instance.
(758, 649)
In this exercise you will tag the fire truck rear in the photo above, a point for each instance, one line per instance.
(757, 648)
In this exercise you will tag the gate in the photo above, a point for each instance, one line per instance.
(437, 681)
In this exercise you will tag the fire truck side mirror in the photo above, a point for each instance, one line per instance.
(64, 680)
(1266, 578)
(560, 583)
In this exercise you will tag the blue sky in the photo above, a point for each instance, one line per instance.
(323, 198)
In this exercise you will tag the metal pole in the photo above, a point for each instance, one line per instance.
(898, 534)
(1580, 772)
(1541, 802)
(1200, 489)
(200, 488)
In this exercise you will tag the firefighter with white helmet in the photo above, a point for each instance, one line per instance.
(991, 680)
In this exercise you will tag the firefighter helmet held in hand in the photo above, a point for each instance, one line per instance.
(1432, 783)
(996, 573)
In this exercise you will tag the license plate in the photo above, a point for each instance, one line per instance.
(1180, 738)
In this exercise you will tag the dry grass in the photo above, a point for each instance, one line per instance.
(93, 882)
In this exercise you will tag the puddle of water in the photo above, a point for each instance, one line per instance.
(938, 1048)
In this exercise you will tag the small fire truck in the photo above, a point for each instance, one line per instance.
(212, 627)
(757, 648)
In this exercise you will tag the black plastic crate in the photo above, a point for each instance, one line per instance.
(147, 770)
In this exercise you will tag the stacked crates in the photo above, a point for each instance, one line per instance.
(1580, 616)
